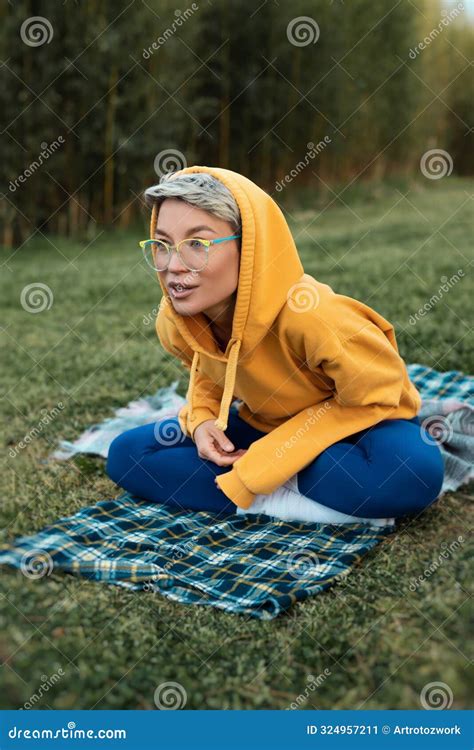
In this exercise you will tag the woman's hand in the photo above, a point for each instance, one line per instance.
(212, 444)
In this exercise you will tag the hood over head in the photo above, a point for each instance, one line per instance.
(269, 267)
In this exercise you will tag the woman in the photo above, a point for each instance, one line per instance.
(323, 397)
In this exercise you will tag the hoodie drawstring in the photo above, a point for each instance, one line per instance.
(229, 384)
(192, 377)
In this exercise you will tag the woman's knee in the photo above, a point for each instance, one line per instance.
(404, 472)
(127, 450)
(120, 455)
(413, 474)
(429, 469)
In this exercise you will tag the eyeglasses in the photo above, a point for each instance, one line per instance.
(193, 252)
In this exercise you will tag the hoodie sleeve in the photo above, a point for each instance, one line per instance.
(206, 394)
(368, 374)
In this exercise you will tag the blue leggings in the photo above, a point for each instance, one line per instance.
(387, 470)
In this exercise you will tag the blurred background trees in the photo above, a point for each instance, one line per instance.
(224, 86)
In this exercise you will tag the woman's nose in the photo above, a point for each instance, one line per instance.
(175, 263)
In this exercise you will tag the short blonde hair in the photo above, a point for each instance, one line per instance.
(199, 189)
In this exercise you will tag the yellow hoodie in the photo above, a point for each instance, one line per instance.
(309, 366)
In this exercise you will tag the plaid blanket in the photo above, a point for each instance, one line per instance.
(246, 564)
(256, 567)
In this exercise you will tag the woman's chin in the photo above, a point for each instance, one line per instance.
(187, 307)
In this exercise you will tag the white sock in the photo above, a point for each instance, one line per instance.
(289, 505)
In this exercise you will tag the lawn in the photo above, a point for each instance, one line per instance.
(377, 639)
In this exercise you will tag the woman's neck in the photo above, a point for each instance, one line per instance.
(221, 319)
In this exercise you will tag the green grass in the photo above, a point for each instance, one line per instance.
(381, 641)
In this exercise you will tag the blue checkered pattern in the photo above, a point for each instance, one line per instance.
(240, 564)
(441, 385)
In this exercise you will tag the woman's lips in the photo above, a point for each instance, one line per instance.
(180, 293)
